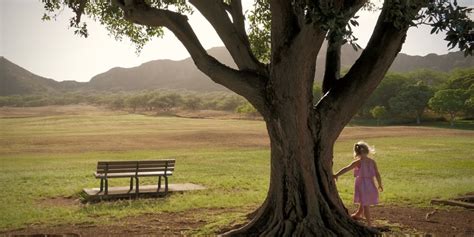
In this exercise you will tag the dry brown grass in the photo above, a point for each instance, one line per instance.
(352, 133)
(54, 110)
(184, 140)
(54, 129)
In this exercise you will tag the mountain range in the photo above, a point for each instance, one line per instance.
(183, 74)
(15, 80)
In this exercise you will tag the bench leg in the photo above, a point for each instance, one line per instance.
(106, 187)
(166, 184)
(101, 185)
(131, 183)
(159, 184)
(137, 186)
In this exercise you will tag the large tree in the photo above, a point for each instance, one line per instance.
(449, 101)
(275, 61)
(412, 100)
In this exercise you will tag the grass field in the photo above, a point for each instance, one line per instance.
(47, 156)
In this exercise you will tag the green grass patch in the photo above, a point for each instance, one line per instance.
(414, 170)
(234, 178)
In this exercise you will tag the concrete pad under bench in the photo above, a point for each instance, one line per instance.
(94, 194)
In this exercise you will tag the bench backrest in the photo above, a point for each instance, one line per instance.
(106, 167)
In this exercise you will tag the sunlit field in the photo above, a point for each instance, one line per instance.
(51, 156)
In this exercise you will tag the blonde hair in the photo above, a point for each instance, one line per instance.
(362, 147)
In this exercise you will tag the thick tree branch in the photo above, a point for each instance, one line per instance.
(231, 33)
(246, 83)
(332, 70)
(285, 26)
(351, 91)
(294, 43)
(293, 75)
(238, 18)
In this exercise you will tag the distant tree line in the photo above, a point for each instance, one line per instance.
(156, 100)
(414, 96)
(410, 96)
(400, 98)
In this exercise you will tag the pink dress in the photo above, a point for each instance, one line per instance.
(365, 192)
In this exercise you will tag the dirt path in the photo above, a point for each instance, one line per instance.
(443, 222)
(400, 220)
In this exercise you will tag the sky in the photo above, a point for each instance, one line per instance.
(50, 49)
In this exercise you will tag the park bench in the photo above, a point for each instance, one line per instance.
(134, 169)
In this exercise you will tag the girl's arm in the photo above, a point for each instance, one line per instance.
(347, 168)
(377, 176)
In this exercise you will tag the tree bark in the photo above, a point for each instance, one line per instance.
(332, 70)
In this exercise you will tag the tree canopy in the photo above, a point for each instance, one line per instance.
(412, 100)
(442, 15)
(450, 101)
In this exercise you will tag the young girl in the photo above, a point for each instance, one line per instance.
(365, 169)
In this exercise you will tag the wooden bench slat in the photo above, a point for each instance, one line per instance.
(155, 173)
(155, 169)
(134, 162)
(122, 170)
(117, 171)
(124, 163)
(117, 167)
(131, 166)
(111, 166)
(132, 174)
(123, 174)
(135, 167)
(155, 165)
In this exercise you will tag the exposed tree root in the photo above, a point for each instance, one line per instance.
(453, 203)
(270, 223)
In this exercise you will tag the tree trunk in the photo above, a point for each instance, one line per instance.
(302, 198)
(451, 119)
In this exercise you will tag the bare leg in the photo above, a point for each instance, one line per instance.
(367, 215)
(358, 214)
